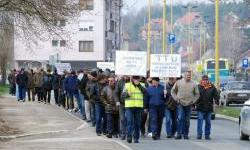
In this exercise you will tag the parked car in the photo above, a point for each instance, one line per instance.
(194, 113)
(235, 92)
(244, 121)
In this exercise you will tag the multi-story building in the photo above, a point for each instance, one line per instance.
(93, 36)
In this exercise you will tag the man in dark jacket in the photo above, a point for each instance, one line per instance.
(208, 93)
(101, 121)
(47, 86)
(121, 104)
(56, 85)
(90, 102)
(109, 96)
(170, 111)
(12, 82)
(22, 81)
(155, 102)
(31, 85)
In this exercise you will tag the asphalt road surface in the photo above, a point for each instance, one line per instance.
(53, 128)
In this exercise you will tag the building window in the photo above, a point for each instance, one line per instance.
(62, 23)
(91, 28)
(62, 43)
(86, 4)
(86, 46)
(54, 43)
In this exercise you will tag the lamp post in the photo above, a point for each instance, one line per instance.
(164, 44)
(149, 32)
(171, 10)
(217, 75)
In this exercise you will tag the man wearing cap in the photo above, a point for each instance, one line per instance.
(208, 93)
(185, 92)
(155, 103)
(133, 93)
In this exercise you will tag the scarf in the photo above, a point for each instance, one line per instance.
(205, 84)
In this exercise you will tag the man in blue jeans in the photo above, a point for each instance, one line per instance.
(22, 81)
(204, 106)
(185, 92)
(171, 110)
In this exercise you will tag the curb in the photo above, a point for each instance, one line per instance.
(227, 118)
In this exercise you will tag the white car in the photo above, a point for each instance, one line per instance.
(244, 121)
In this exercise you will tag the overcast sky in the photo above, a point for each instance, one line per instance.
(137, 4)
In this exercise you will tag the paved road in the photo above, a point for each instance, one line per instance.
(53, 128)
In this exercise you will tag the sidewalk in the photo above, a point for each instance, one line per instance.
(35, 126)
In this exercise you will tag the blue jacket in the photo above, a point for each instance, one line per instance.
(73, 84)
(155, 96)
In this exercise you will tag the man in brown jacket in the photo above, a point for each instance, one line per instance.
(38, 81)
(109, 97)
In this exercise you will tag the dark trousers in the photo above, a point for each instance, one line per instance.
(56, 96)
(183, 120)
(39, 93)
(122, 123)
(171, 121)
(12, 89)
(101, 120)
(22, 92)
(47, 95)
(112, 123)
(133, 116)
(156, 114)
(144, 118)
(31, 94)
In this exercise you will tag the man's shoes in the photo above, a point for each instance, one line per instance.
(186, 137)
(115, 136)
(199, 137)
(129, 140)
(98, 134)
(136, 141)
(84, 118)
(109, 136)
(178, 137)
(169, 136)
(123, 137)
(208, 137)
(154, 137)
(150, 134)
(88, 121)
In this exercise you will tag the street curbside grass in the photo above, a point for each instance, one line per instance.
(228, 111)
(3, 89)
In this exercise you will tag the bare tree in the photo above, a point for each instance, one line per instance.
(30, 20)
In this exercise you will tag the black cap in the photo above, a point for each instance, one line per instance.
(93, 74)
(205, 77)
(136, 77)
(156, 79)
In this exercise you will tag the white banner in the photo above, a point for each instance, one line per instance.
(165, 65)
(106, 65)
(131, 63)
(61, 67)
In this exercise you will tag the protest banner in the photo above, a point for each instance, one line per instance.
(106, 65)
(131, 63)
(165, 65)
(61, 67)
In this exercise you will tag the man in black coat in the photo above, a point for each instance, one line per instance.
(22, 81)
(204, 106)
(56, 86)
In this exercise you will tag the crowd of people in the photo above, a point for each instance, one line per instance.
(128, 107)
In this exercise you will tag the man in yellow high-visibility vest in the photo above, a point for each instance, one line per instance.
(133, 93)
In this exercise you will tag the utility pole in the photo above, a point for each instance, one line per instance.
(217, 73)
(171, 7)
(149, 32)
(164, 44)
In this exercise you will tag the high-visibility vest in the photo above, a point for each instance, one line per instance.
(136, 96)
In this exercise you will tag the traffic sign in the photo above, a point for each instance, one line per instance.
(245, 63)
(171, 38)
